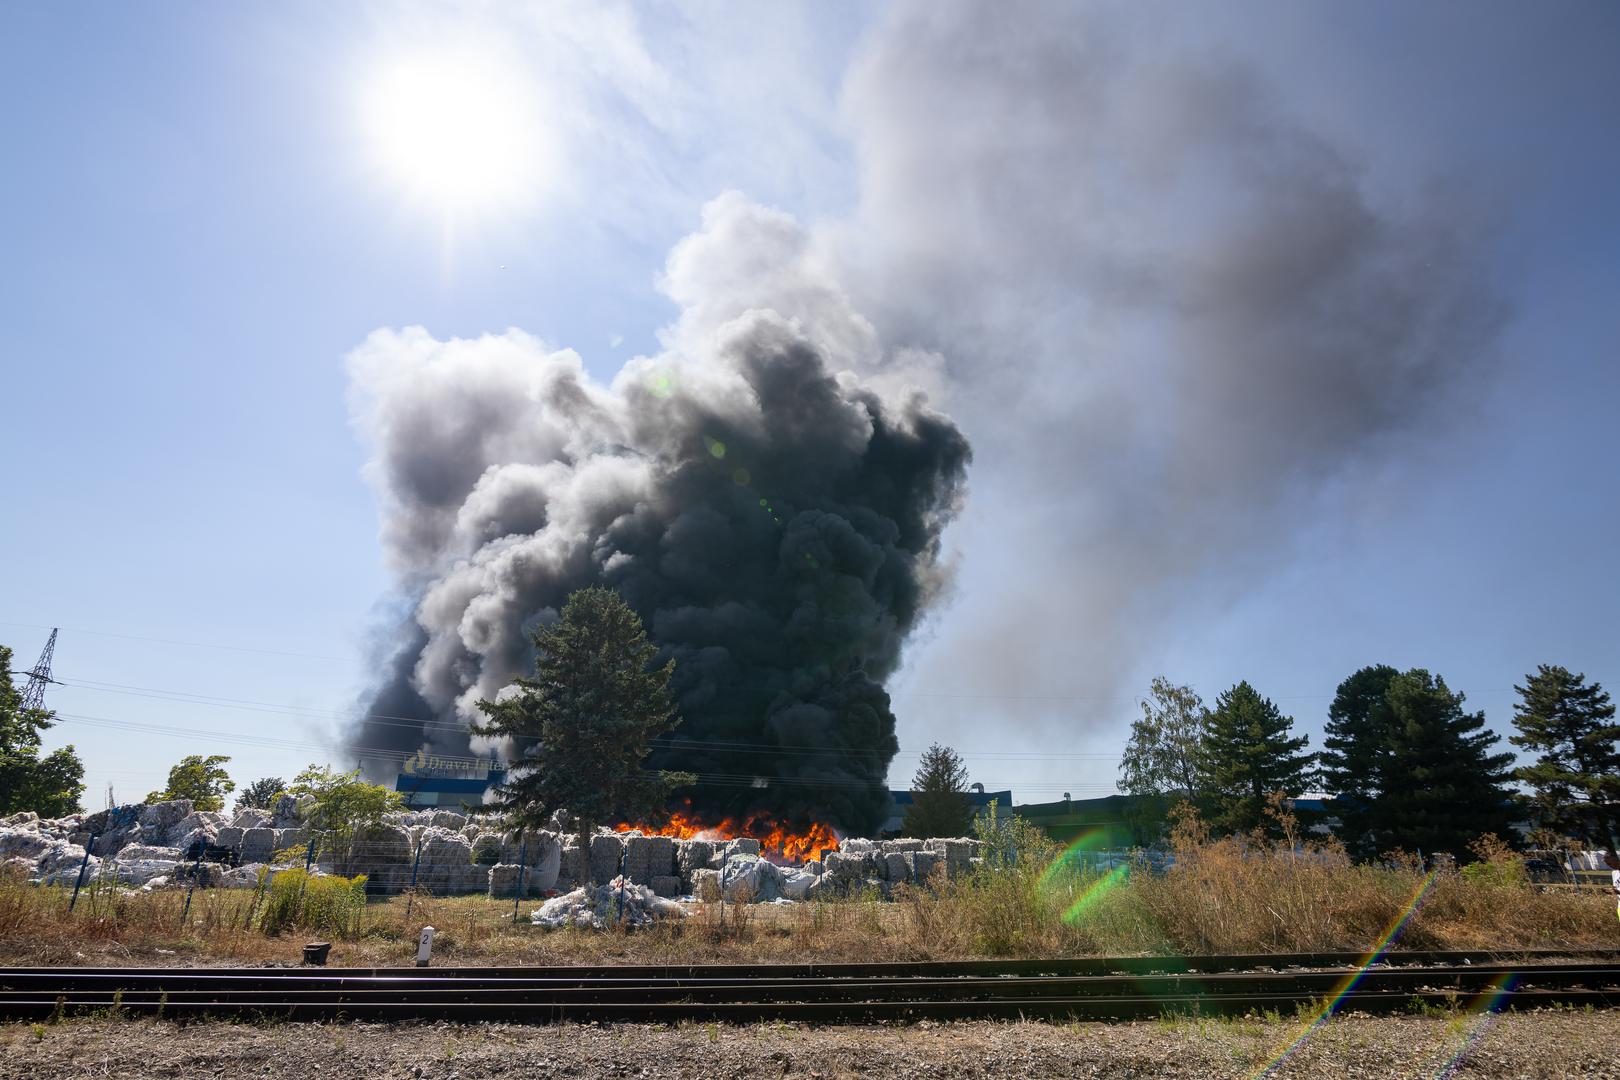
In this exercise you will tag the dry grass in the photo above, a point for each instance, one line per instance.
(1251, 894)
(1226, 896)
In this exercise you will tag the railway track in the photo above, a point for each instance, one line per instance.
(1116, 988)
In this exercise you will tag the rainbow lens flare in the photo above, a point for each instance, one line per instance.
(1483, 1009)
(1331, 1003)
(1094, 893)
(1073, 864)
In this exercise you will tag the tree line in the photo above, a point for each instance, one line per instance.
(1406, 765)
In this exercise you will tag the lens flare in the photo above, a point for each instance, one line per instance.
(1331, 1003)
(1484, 1009)
(1094, 893)
(1072, 864)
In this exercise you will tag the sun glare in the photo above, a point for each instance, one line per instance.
(457, 132)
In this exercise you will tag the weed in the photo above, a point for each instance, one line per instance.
(327, 905)
(1444, 1008)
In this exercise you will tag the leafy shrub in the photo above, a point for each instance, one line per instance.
(327, 905)
(1498, 865)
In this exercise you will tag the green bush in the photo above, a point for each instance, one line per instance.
(1499, 866)
(329, 905)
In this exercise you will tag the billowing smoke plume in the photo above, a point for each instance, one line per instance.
(1175, 307)
(1184, 310)
(775, 521)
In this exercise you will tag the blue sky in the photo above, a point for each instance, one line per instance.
(196, 237)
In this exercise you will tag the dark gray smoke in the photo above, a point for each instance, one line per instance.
(775, 522)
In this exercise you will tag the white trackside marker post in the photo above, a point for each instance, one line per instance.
(425, 949)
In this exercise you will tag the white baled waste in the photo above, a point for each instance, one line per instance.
(459, 854)
(749, 878)
(619, 901)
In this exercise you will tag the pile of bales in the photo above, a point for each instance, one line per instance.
(151, 845)
(166, 843)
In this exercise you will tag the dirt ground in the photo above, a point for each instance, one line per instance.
(1550, 1044)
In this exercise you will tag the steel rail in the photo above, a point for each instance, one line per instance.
(1119, 1007)
(181, 993)
(1072, 966)
(244, 987)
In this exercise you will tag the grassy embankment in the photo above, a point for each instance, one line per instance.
(1226, 896)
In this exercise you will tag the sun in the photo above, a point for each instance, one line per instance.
(462, 132)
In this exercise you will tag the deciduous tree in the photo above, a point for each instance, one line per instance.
(584, 723)
(1161, 757)
(50, 786)
(203, 780)
(344, 809)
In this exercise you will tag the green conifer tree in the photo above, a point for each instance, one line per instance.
(1575, 780)
(1355, 758)
(1442, 787)
(261, 794)
(1246, 755)
(584, 723)
(939, 802)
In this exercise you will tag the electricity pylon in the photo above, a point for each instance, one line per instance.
(33, 696)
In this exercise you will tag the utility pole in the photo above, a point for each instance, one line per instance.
(33, 695)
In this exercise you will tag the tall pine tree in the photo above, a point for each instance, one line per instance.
(585, 722)
(1355, 758)
(1575, 781)
(939, 802)
(1247, 754)
(1442, 786)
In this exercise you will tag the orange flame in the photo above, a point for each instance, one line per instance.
(777, 840)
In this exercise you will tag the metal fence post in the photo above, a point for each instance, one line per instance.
(196, 872)
(83, 866)
(410, 900)
(624, 857)
(517, 893)
(726, 855)
(309, 855)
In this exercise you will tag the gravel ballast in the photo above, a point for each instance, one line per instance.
(1542, 1045)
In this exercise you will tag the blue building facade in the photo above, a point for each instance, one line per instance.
(425, 782)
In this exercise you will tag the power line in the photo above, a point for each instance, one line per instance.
(188, 644)
(382, 754)
(450, 727)
(898, 695)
